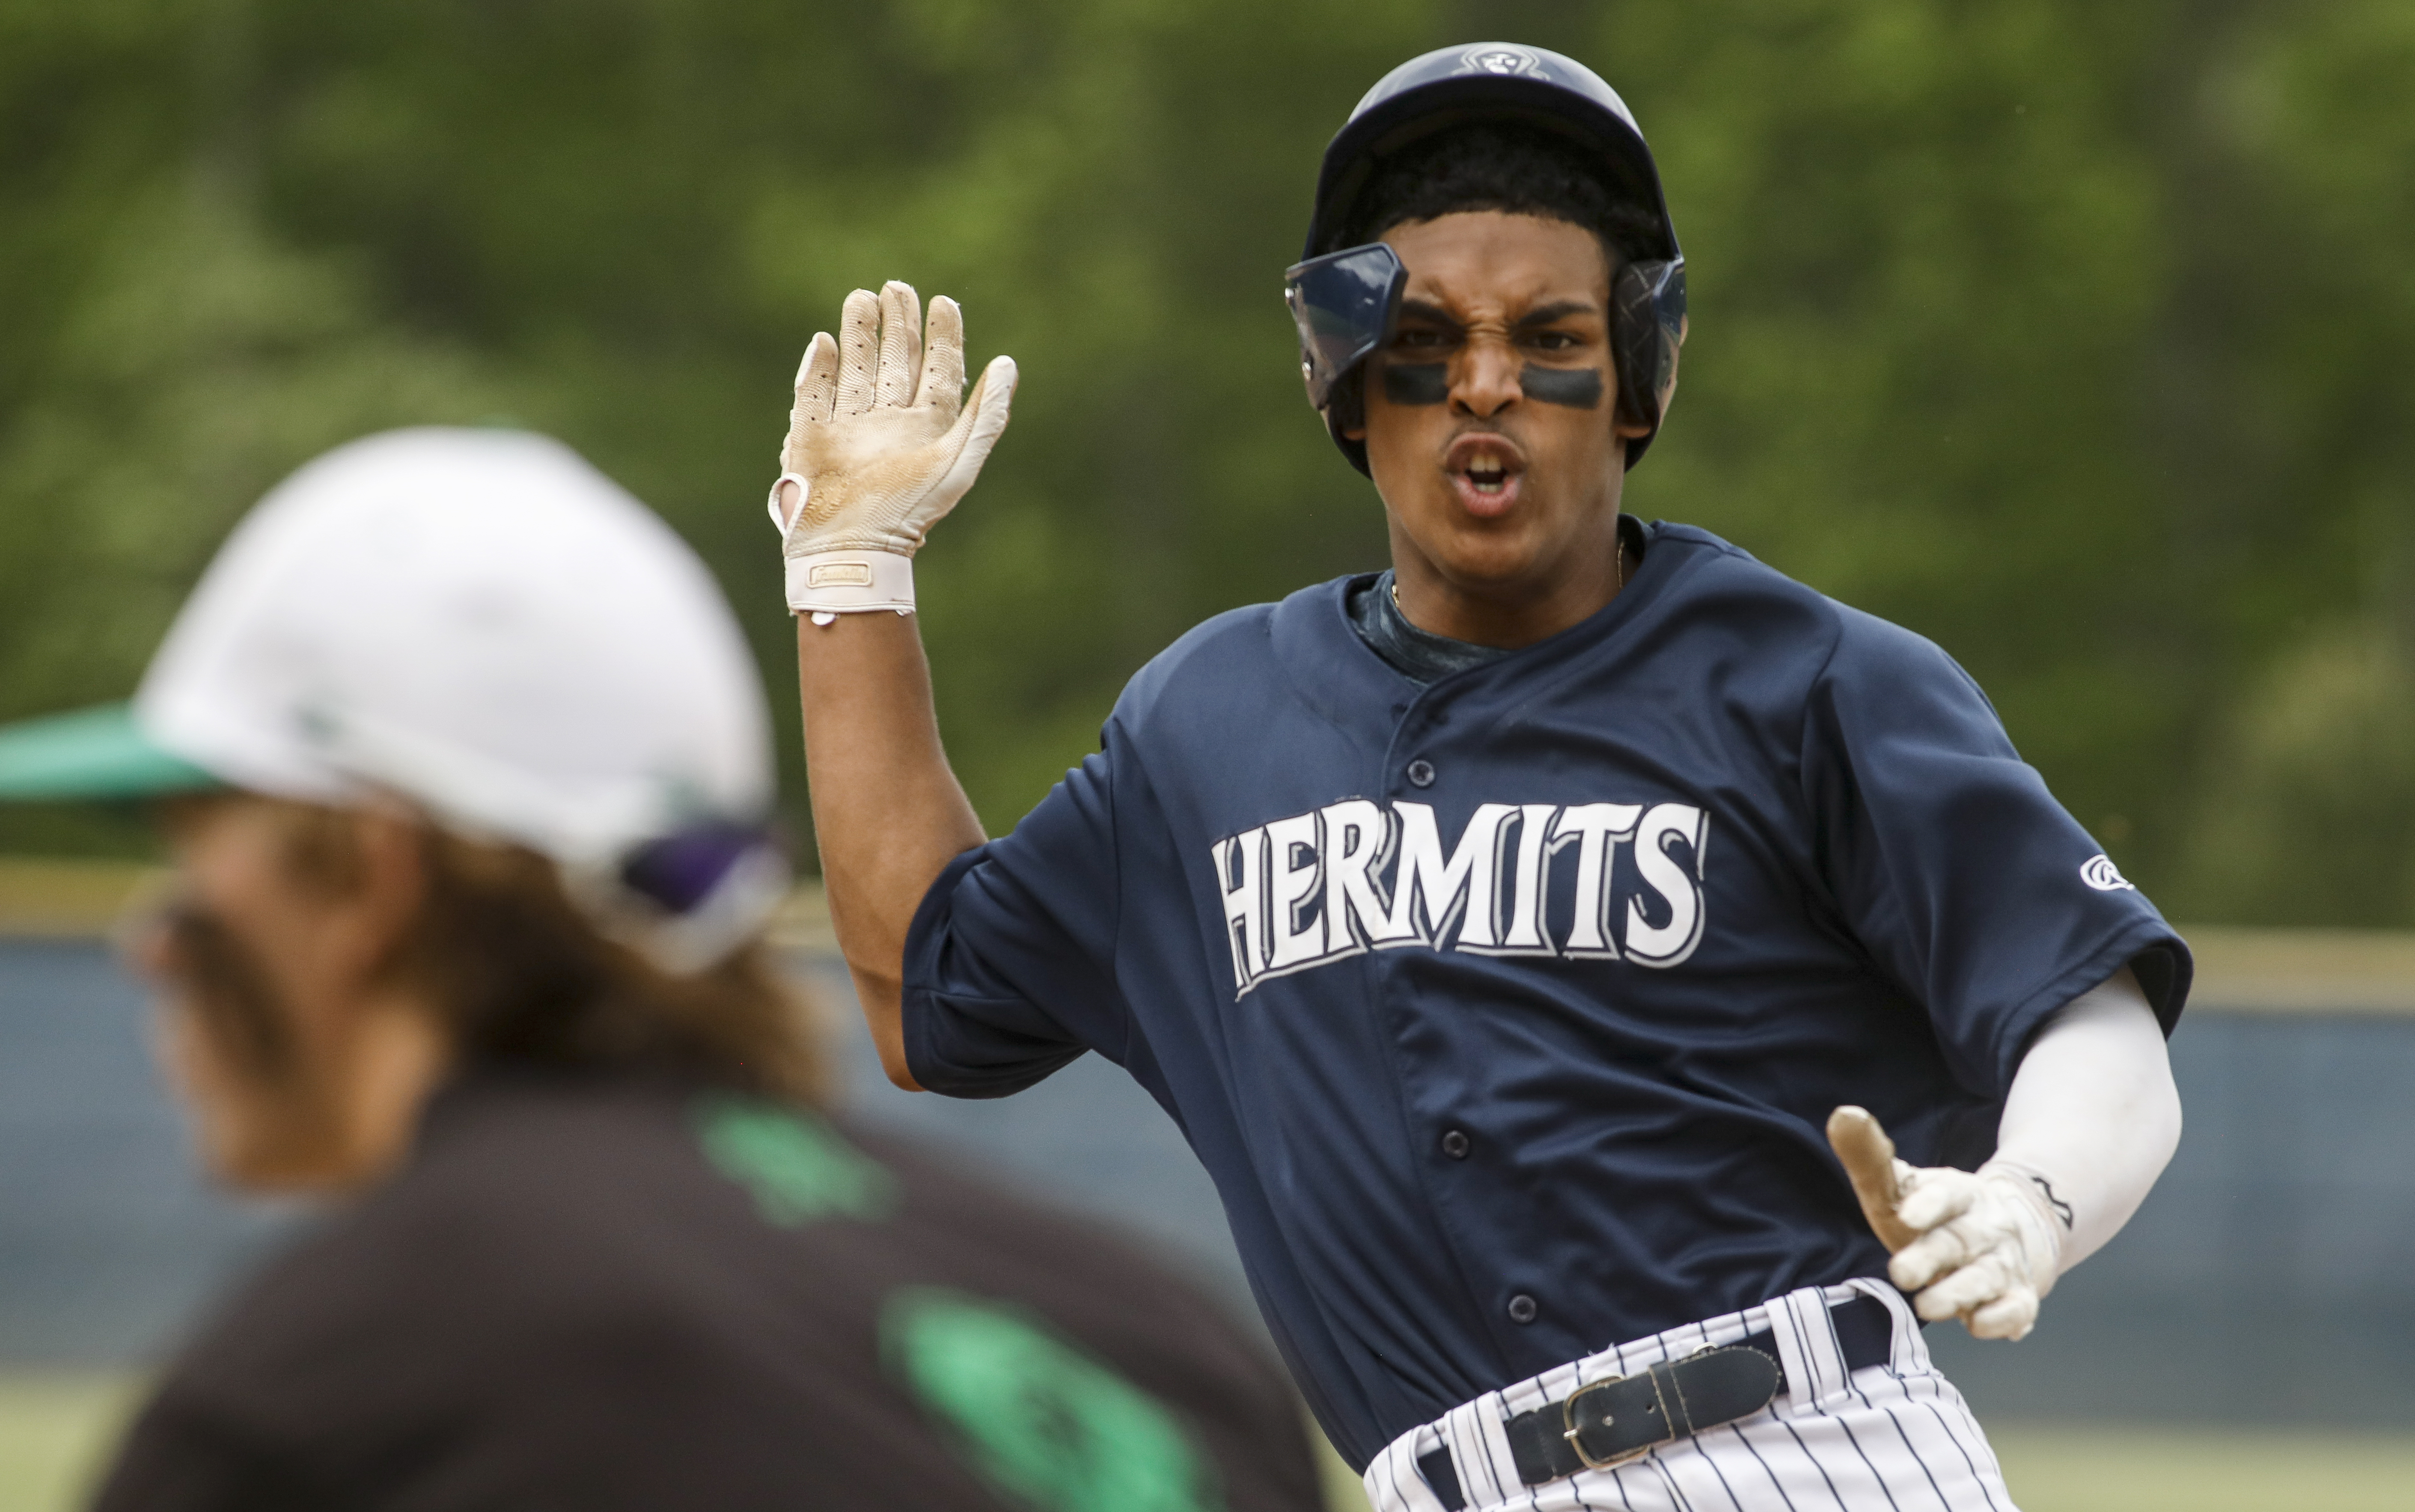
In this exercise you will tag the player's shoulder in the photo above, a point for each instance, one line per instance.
(1720, 580)
(1236, 658)
(1705, 572)
(1882, 650)
(512, 1211)
(1238, 637)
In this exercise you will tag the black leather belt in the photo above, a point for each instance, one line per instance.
(1611, 1422)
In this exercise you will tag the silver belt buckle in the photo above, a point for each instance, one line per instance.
(1568, 1417)
(1669, 1435)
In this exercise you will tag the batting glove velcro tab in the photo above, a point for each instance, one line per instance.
(881, 444)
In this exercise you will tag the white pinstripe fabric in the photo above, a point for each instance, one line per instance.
(1892, 1438)
(1393, 1482)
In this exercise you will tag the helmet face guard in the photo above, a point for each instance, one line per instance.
(1647, 326)
(1345, 305)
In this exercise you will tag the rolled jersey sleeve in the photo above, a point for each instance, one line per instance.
(1960, 874)
(1010, 964)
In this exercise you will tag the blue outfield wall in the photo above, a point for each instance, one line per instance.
(2262, 1282)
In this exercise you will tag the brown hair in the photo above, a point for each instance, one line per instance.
(519, 972)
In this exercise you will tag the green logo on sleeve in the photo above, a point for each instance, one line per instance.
(796, 1166)
(1036, 1418)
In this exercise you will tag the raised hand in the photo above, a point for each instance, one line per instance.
(880, 445)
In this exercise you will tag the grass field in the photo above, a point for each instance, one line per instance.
(2225, 1468)
(54, 1428)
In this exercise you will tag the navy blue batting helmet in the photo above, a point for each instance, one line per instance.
(1344, 300)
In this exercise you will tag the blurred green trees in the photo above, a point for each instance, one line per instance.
(2079, 338)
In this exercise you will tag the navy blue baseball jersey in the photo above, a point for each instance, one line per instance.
(1507, 1011)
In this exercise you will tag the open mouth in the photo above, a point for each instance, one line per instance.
(1484, 471)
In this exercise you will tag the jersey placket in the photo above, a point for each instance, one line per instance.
(1457, 1162)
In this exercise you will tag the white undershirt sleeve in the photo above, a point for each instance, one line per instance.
(2093, 1115)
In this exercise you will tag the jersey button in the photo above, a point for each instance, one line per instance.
(1454, 1143)
(1421, 772)
(1522, 1309)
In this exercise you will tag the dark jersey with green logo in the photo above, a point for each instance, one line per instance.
(585, 1294)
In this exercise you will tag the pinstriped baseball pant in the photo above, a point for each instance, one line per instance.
(1892, 1438)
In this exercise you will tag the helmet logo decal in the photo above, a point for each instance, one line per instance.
(1502, 58)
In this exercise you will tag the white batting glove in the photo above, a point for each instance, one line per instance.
(1983, 1247)
(880, 447)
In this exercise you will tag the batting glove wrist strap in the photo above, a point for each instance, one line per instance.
(851, 582)
(2037, 1231)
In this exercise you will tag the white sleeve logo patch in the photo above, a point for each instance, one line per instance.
(2100, 873)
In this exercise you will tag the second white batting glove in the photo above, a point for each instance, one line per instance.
(1980, 1246)
(880, 445)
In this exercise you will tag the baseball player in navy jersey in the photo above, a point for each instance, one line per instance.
(1547, 944)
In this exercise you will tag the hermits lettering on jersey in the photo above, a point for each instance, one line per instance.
(1542, 879)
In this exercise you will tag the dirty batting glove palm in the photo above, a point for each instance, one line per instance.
(1980, 1246)
(880, 445)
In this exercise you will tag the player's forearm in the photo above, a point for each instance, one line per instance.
(888, 811)
(2092, 1111)
(882, 443)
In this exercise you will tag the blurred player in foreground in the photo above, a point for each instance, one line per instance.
(1513, 933)
(465, 771)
